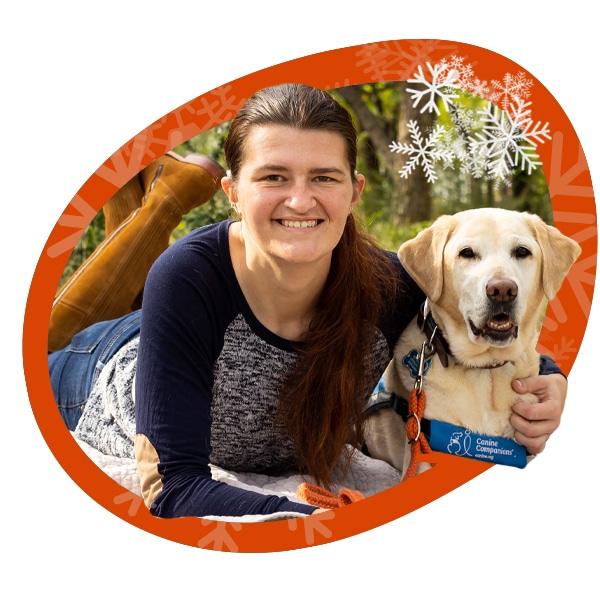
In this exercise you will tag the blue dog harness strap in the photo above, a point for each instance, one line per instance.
(382, 399)
(451, 439)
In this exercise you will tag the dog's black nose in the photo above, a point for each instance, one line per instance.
(501, 290)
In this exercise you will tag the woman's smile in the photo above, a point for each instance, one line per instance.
(295, 224)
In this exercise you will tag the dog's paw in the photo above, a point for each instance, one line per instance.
(529, 398)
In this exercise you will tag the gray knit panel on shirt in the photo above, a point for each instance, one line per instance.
(108, 419)
(248, 377)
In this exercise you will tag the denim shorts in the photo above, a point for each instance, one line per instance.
(74, 369)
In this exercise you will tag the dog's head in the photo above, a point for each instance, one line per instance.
(487, 271)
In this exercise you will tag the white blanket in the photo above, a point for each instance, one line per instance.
(366, 475)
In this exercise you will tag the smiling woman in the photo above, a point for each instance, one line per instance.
(293, 213)
(317, 293)
(260, 339)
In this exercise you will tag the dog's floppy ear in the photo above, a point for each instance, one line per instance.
(559, 253)
(423, 256)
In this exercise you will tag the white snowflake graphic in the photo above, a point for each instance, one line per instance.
(512, 88)
(491, 142)
(465, 76)
(508, 142)
(441, 85)
(423, 151)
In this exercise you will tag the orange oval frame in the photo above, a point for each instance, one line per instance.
(574, 211)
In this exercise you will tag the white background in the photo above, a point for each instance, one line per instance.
(79, 80)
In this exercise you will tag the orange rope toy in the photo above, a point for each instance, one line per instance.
(418, 442)
(318, 496)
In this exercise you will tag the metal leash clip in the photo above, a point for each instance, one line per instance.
(427, 351)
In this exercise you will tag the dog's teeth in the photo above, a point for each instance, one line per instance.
(499, 326)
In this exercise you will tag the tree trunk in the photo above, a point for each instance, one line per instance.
(352, 95)
(414, 192)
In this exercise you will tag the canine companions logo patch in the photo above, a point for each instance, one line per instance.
(452, 439)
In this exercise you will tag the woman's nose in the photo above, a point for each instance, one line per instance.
(301, 198)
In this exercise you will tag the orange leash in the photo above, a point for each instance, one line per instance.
(318, 496)
(418, 443)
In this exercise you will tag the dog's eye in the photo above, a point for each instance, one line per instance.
(522, 252)
(467, 253)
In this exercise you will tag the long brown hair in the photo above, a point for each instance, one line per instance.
(322, 400)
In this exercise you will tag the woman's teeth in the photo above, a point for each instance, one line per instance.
(299, 224)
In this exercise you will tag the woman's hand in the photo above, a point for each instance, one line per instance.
(534, 423)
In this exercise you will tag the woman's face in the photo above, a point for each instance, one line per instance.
(294, 192)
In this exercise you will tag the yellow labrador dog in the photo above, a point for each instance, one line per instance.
(485, 273)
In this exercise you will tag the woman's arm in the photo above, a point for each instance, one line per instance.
(179, 341)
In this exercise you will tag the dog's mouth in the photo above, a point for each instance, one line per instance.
(499, 328)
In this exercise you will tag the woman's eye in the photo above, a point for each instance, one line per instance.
(467, 253)
(522, 252)
(323, 178)
(273, 177)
